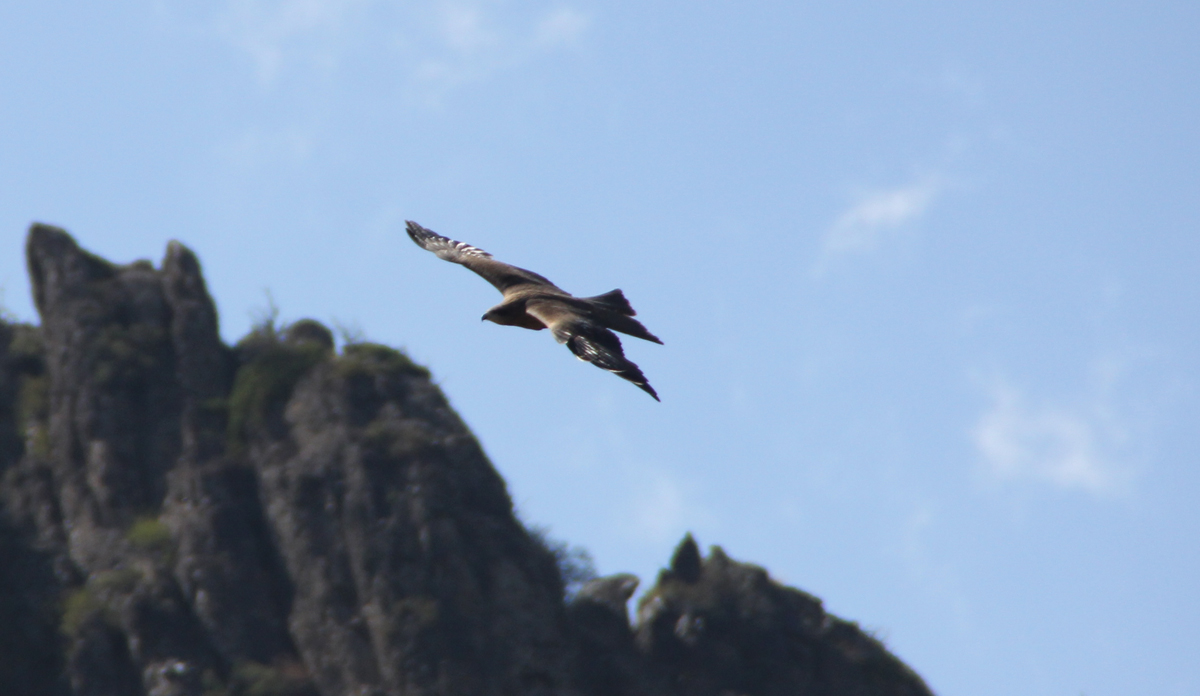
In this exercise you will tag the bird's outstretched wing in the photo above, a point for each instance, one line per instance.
(588, 340)
(504, 276)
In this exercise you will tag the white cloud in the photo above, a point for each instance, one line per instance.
(662, 510)
(465, 29)
(862, 228)
(472, 43)
(563, 26)
(434, 46)
(269, 29)
(1071, 448)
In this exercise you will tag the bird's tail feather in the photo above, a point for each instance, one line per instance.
(615, 301)
(626, 325)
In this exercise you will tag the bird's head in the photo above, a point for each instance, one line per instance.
(503, 315)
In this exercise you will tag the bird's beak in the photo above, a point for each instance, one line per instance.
(483, 318)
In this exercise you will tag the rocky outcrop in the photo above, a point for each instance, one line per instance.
(716, 626)
(278, 517)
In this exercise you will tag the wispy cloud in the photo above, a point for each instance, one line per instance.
(434, 46)
(466, 29)
(1077, 447)
(271, 31)
(562, 27)
(471, 41)
(662, 509)
(864, 226)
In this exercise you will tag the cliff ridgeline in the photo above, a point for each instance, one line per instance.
(181, 517)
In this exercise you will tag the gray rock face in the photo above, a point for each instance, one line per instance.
(716, 626)
(179, 517)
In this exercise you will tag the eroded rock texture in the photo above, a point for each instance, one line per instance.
(183, 517)
(716, 626)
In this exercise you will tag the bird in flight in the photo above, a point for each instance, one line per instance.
(532, 302)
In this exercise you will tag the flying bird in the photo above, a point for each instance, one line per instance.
(533, 302)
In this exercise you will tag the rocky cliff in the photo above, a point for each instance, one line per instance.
(178, 516)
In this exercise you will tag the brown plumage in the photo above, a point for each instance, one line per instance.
(533, 302)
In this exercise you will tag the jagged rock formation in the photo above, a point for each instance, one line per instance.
(182, 517)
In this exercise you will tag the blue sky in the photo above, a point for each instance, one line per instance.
(926, 274)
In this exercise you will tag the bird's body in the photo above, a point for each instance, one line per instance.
(533, 302)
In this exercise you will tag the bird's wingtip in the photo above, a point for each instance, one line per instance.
(417, 233)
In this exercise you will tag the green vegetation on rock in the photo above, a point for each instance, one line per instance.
(80, 606)
(33, 404)
(575, 564)
(283, 679)
(125, 354)
(151, 535)
(33, 411)
(271, 368)
(26, 346)
(417, 612)
(24, 388)
(374, 358)
(117, 580)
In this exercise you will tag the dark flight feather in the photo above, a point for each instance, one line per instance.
(589, 341)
